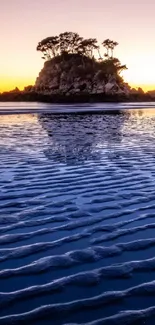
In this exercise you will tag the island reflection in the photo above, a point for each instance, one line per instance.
(77, 138)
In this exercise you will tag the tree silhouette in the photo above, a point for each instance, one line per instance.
(72, 43)
(87, 46)
(49, 47)
(118, 66)
(69, 42)
(112, 67)
(109, 45)
(112, 46)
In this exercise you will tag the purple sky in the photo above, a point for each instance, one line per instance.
(25, 22)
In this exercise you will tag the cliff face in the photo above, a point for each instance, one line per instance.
(74, 74)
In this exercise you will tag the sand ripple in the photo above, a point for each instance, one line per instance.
(77, 225)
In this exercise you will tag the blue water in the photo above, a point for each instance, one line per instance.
(77, 214)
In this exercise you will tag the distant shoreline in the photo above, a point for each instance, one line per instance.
(73, 99)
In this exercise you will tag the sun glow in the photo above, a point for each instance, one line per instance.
(141, 71)
(144, 78)
(7, 84)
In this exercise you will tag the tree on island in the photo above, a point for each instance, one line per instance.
(88, 46)
(112, 46)
(109, 45)
(49, 47)
(106, 44)
(70, 43)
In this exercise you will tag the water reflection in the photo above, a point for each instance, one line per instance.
(78, 138)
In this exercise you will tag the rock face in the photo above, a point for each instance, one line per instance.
(77, 75)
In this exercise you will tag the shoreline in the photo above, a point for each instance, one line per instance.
(86, 108)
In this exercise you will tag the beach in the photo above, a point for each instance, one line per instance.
(77, 208)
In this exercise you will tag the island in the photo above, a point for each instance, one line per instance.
(76, 71)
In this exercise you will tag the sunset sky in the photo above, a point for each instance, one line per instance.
(23, 23)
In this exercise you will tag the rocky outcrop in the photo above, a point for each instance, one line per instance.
(74, 74)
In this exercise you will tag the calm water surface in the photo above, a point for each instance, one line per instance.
(77, 218)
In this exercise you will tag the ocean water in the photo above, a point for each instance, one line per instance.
(77, 214)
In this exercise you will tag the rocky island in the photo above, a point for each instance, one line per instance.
(75, 71)
(74, 66)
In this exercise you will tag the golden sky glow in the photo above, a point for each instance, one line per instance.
(25, 22)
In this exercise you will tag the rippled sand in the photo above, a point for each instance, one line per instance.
(77, 228)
